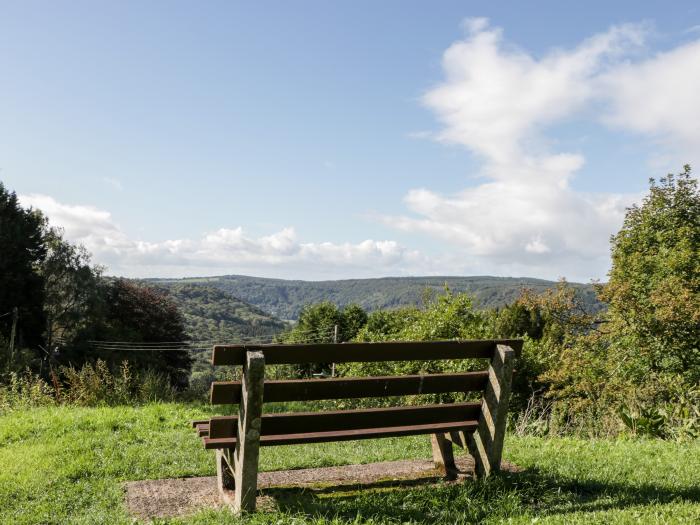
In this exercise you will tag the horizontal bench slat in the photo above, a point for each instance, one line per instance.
(348, 435)
(229, 392)
(367, 433)
(277, 354)
(214, 443)
(340, 420)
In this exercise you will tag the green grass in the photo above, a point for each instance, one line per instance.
(68, 465)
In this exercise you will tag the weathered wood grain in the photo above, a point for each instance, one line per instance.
(229, 392)
(246, 453)
(339, 420)
(486, 443)
(347, 435)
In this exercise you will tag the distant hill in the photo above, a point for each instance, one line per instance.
(285, 298)
(213, 314)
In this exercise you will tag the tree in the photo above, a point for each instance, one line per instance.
(448, 316)
(641, 367)
(317, 324)
(22, 251)
(71, 289)
(140, 314)
(352, 318)
(518, 319)
(654, 285)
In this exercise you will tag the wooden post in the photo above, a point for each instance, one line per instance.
(248, 443)
(335, 341)
(443, 455)
(486, 443)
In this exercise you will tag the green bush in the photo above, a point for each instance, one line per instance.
(450, 316)
(89, 385)
(25, 390)
(96, 384)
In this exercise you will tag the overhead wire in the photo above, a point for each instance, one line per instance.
(298, 337)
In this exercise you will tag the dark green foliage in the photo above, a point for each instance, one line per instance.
(517, 320)
(388, 324)
(652, 340)
(72, 299)
(448, 316)
(352, 320)
(285, 298)
(212, 315)
(640, 364)
(63, 304)
(555, 325)
(317, 324)
(136, 313)
(649, 422)
(654, 287)
(92, 384)
(22, 251)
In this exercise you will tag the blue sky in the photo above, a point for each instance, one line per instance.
(345, 139)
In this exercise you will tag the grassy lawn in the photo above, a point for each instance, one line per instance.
(67, 465)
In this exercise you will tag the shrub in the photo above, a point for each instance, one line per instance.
(96, 384)
(89, 385)
(25, 390)
(450, 316)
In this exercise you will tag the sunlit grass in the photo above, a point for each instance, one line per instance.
(68, 465)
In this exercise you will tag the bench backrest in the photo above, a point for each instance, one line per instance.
(229, 392)
(478, 426)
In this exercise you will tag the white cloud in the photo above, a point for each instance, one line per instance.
(659, 97)
(494, 96)
(497, 101)
(87, 223)
(224, 250)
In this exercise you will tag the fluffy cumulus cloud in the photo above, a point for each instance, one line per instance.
(280, 254)
(658, 97)
(494, 96)
(497, 101)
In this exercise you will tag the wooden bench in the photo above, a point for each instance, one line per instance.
(478, 427)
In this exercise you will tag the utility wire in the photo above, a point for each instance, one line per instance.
(145, 343)
(132, 346)
(198, 341)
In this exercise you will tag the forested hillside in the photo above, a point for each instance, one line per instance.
(285, 298)
(214, 315)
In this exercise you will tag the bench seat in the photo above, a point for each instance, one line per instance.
(347, 435)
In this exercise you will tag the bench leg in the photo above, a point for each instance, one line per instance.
(245, 456)
(224, 471)
(443, 455)
(485, 444)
